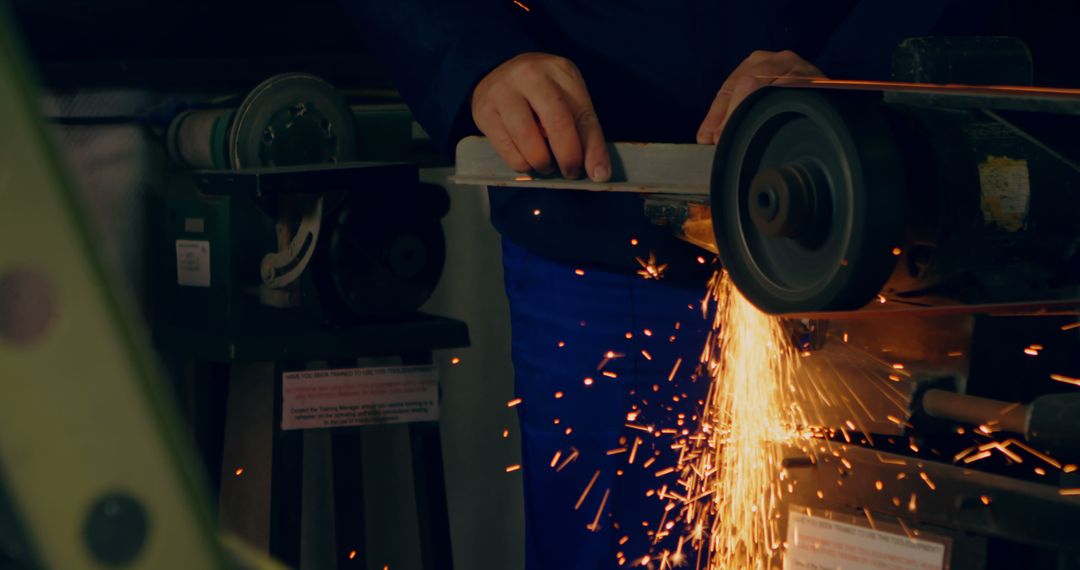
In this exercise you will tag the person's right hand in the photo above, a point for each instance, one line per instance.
(537, 96)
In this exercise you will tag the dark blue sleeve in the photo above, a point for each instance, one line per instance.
(437, 51)
(861, 46)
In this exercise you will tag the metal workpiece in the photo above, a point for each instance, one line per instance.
(640, 168)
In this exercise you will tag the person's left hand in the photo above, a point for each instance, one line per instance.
(761, 68)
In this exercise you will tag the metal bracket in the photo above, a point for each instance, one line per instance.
(285, 266)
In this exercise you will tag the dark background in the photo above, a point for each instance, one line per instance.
(234, 43)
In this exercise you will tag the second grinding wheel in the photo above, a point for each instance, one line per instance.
(808, 200)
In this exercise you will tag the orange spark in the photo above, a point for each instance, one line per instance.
(595, 526)
(1065, 379)
(674, 369)
(588, 488)
(555, 459)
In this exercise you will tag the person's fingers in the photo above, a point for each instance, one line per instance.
(746, 85)
(709, 130)
(557, 121)
(711, 123)
(496, 132)
(597, 160)
(756, 71)
(520, 122)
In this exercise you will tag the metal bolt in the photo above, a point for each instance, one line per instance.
(27, 306)
(115, 529)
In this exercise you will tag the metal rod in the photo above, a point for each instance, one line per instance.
(1008, 416)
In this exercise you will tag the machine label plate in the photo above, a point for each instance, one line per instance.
(359, 396)
(819, 543)
(193, 263)
(1006, 192)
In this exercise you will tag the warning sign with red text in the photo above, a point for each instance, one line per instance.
(359, 397)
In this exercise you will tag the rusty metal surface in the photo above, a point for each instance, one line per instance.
(641, 168)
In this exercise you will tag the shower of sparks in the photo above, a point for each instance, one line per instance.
(651, 269)
(730, 470)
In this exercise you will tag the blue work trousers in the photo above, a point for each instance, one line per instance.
(593, 351)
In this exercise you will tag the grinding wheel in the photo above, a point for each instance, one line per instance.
(808, 200)
(384, 265)
(292, 119)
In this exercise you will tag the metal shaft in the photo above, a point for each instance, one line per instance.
(1008, 416)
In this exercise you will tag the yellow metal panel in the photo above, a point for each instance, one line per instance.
(82, 411)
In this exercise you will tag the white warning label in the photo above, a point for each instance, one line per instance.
(1006, 192)
(193, 263)
(817, 543)
(359, 396)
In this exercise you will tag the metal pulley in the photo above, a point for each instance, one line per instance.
(827, 196)
(291, 148)
(288, 120)
(807, 201)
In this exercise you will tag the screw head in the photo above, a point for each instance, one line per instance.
(115, 529)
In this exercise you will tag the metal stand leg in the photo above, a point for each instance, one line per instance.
(247, 454)
(349, 499)
(431, 507)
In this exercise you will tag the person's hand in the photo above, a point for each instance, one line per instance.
(761, 68)
(535, 105)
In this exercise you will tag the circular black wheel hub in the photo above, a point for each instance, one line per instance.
(790, 200)
(807, 199)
